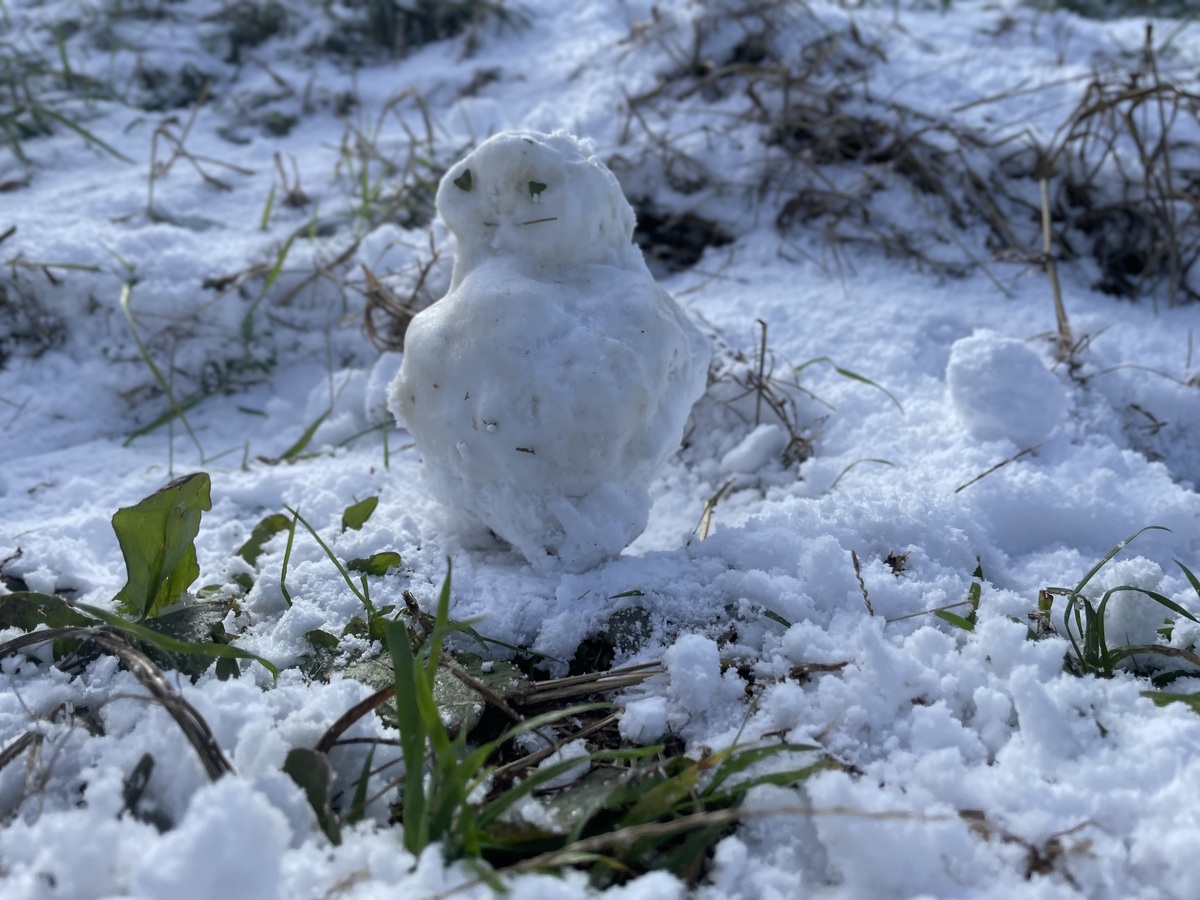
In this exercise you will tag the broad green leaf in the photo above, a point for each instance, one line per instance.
(356, 515)
(253, 548)
(272, 525)
(376, 563)
(197, 623)
(28, 609)
(956, 621)
(170, 644)
(1161, 699)
(310, 769)
(157, 540)
(320, 640)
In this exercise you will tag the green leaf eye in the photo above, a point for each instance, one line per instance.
(464, 182)
(536, 188)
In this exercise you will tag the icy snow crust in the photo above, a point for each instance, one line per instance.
(546, 390)
(1084, 784)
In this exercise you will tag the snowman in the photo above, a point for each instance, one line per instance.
(552, 382)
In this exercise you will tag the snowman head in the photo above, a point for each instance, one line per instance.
(543, 200)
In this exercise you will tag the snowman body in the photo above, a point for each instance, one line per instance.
(548, 387)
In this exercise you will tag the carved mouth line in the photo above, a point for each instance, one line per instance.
(530, 222)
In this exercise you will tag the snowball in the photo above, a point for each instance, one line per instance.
(1000, 389)
(546, 389)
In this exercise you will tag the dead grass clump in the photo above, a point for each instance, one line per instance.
(763, 106)
(1119, 9)
(360, 30)
(1126, 170)
(26, 326)
(790, 124)
(390, 303)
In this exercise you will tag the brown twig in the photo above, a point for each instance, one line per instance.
(1062, 326)
(862, 585)
(710, 506)
(999, 465)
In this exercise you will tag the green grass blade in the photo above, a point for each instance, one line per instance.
(328, 552)
(248, 319)
(170, 644)
(266, 213)
(1160, 599)
(1111, 553)
(955, 620)
(358, 804)
(853, 376)
(494, 809)
(781, 779)
(481, 753)
(83, 133)
(125, 299)
(858, 462)
(412, 738)
(287, 555)
(1192, 579)
(173, 413)
(733, 763)
(665, 798)
(441, 622)
(297, 448)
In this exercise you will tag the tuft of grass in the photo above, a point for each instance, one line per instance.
(39, 97)
(1121, 162)
(616, 810)
(1084, 618)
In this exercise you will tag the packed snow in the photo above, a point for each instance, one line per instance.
(547, 389)
(919, 428)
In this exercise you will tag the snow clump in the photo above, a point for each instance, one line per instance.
(547, 388)
(1000, 389)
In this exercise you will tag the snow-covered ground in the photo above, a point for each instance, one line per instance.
(250, 225)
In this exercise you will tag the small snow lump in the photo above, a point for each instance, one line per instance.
(1000, 389)
(550, 384)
